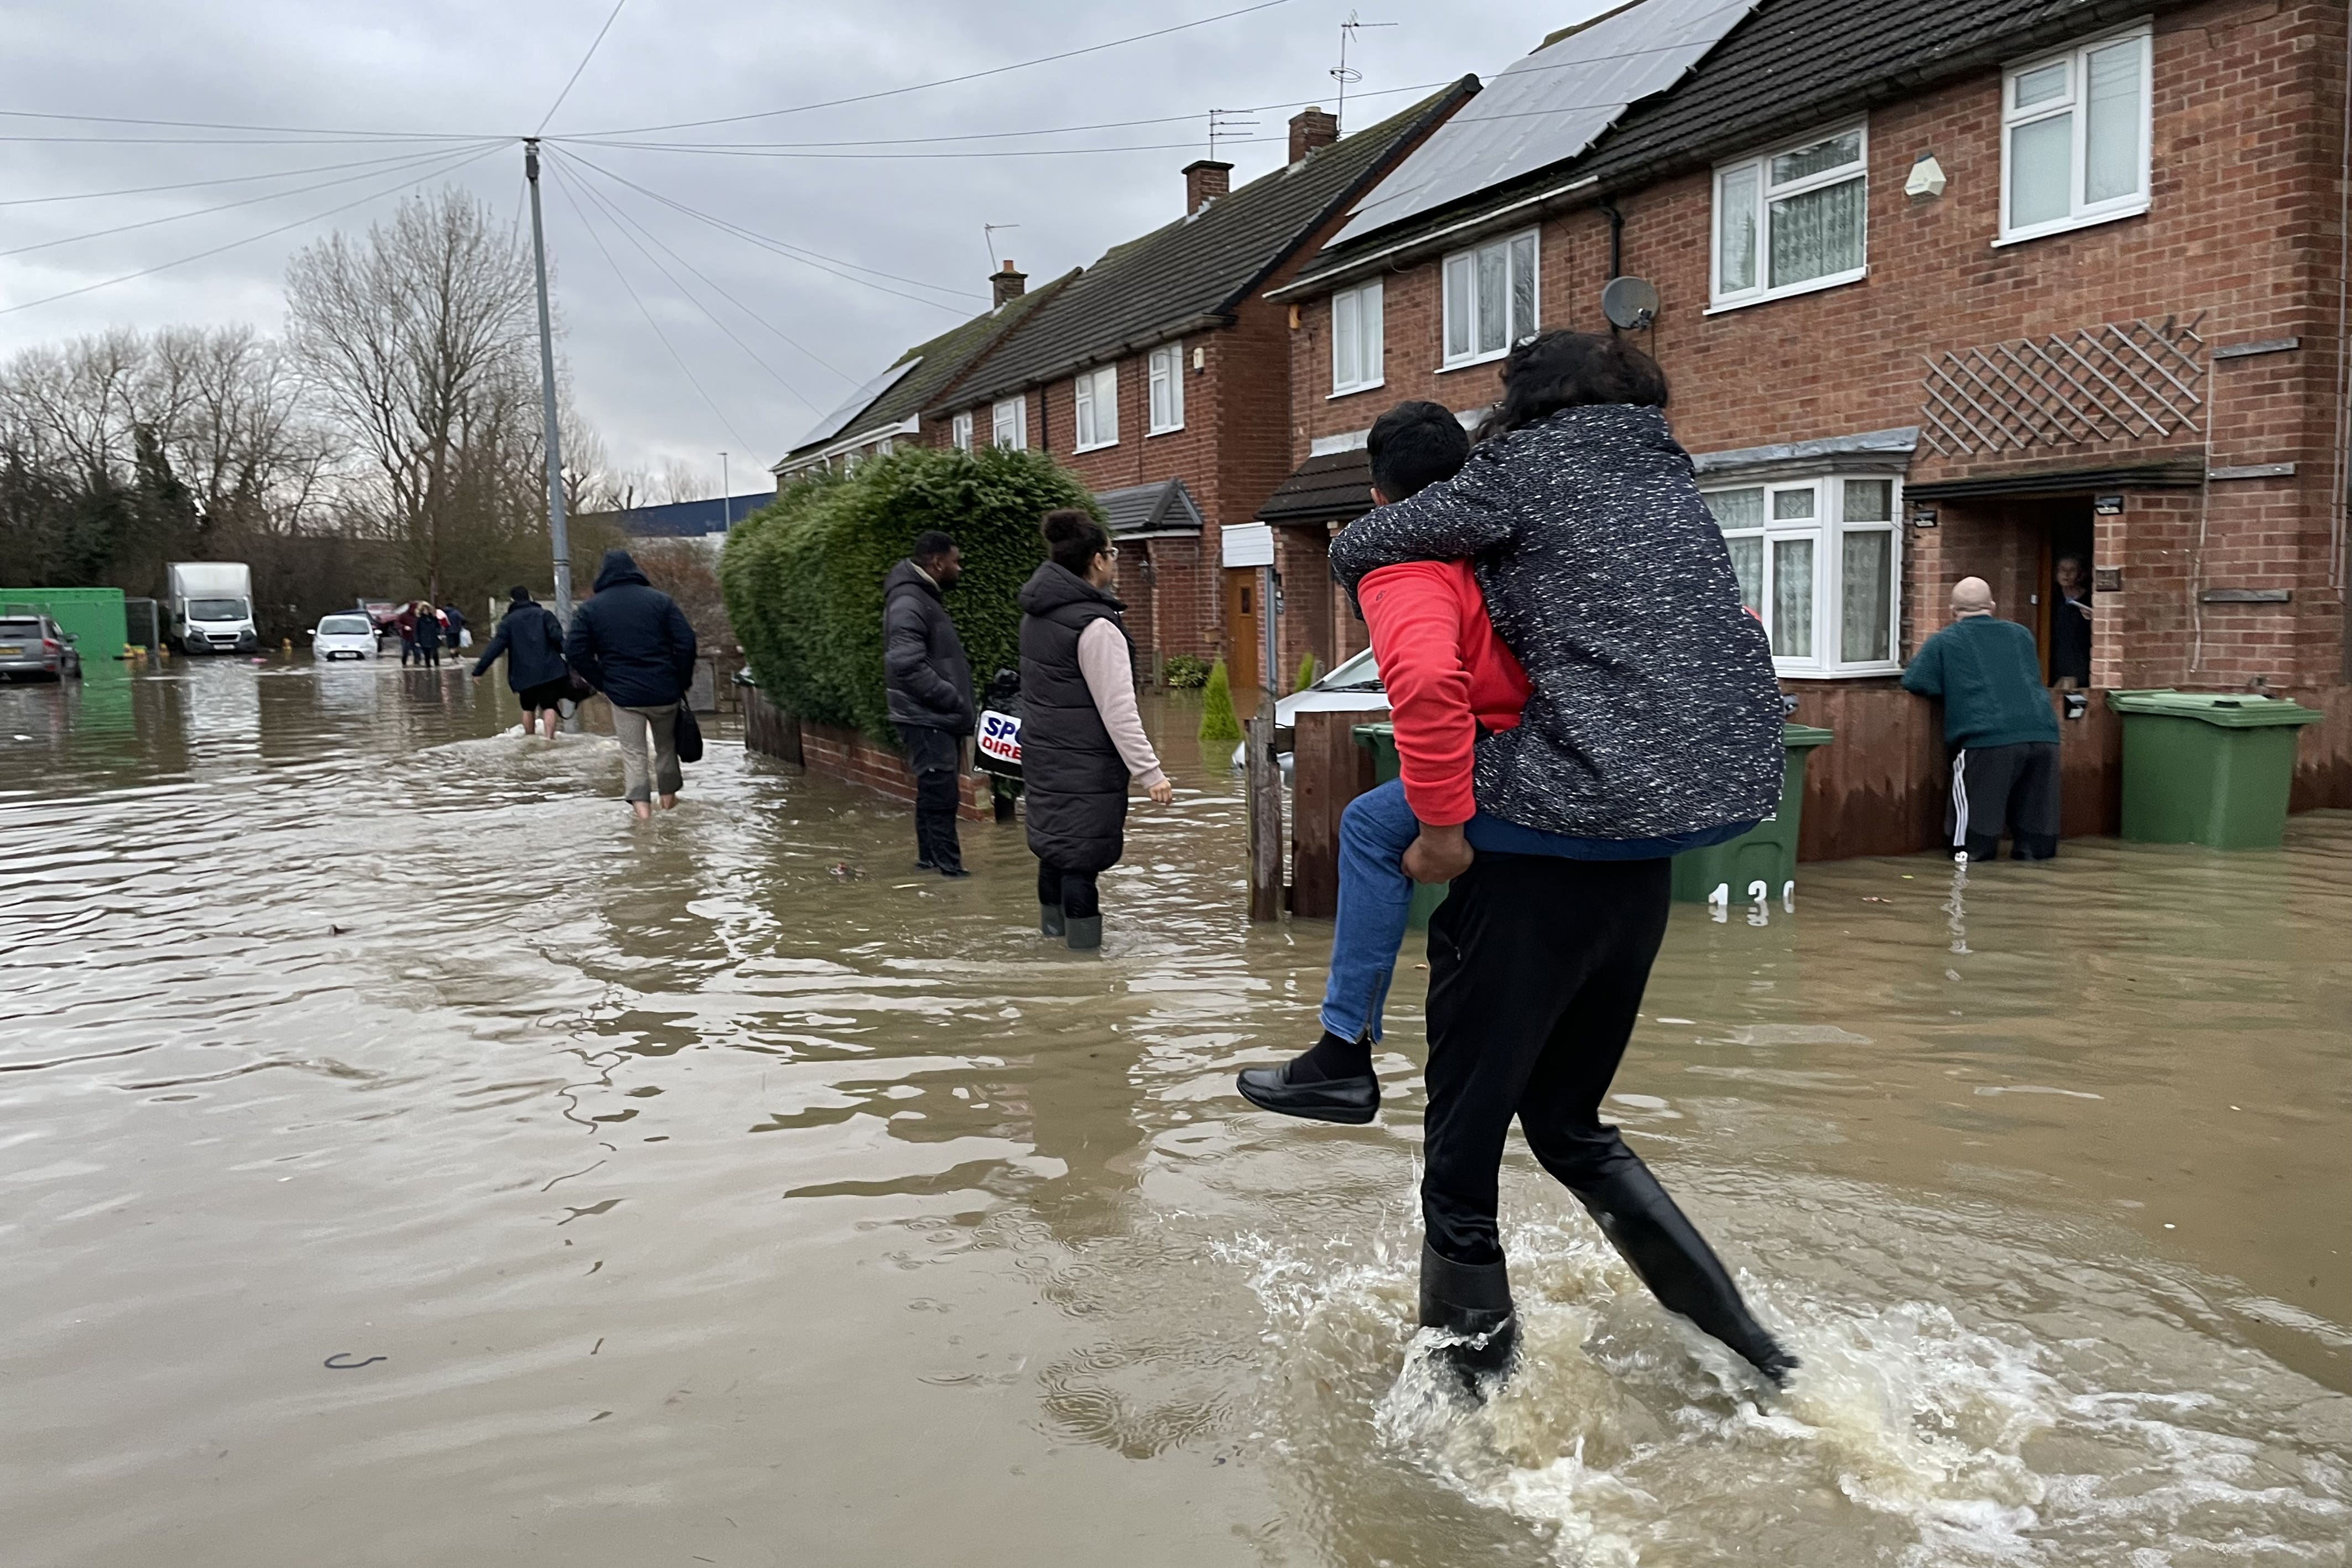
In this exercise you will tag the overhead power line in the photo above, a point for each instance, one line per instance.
(573, 79)
(407, 157)
(443, 164)
(947, 82)
(723, 150)
(221, 125)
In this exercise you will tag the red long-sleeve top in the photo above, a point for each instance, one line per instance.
(1448, 676)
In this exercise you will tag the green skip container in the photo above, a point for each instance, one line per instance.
(92, 616)
(1766, 853)
(2208, 768)
(1765, 856)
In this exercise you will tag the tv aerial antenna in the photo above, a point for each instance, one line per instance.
(989, 231)
(1343, 73)
(1228, 124)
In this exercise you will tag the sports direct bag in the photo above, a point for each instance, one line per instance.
(996, 747)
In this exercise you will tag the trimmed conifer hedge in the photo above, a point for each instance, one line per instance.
(803, 574)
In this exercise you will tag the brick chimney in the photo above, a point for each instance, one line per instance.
(1007, 282)
(1204, 180)
(1311, 127)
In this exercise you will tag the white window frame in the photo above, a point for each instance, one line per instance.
(1760, 164)
(2081, 213)
(1362, 305)
(960, 430)
(1010, 418)
(1164, 408)
(1828, 529)
(1513, 331)
(1093, 395)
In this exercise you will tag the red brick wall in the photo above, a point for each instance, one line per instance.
(849, 758)
(2248, 112)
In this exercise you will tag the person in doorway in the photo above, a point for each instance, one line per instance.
(428, 635)
(1998, 719)
(632, 642)
(1652, 716)
(405, 623)
(1082, 737)
(532, 640)
(2070, 626)
(928, 682)
(453, 626)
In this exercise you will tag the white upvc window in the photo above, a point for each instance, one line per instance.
(960, 430)
(1009, 423)
(1819, 561)
(1792, 219)
(1167, 390)
(1097, 408)
(1358, 348)
(1490, 298)
(2074, 135)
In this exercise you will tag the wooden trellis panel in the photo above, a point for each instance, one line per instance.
(2129, 381)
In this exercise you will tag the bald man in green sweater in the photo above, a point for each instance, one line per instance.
(1997, 716)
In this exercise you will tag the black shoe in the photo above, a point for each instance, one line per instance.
(952, 872)
(1349, 1101)
(1654, 1236)
(1471, 1303)
(926, 865)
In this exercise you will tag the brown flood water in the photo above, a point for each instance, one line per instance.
(708, 1203)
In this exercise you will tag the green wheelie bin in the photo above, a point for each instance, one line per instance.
(1762, 862)
(1380, 739)
(2208, 768)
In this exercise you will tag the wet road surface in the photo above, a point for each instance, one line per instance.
(725, 1192)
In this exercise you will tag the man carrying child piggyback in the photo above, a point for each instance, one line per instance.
(1577, 696)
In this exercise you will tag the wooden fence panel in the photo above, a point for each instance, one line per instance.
(1328, 770)
(1878, 788)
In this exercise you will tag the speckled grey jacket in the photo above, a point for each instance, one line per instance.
(1655, 710)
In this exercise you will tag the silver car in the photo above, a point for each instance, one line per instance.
(37, 646)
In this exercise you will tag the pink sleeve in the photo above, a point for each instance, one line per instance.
(1110, 681)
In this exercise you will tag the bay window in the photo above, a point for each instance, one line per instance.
(1358, 349)
(1817, 561)
(960, 430)
(1167, 389)
(1792, 220)
(1490, 298)
(1009, 423)
(1096, 402)
(2074, 136)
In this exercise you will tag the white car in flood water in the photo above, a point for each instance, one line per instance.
(347, 636)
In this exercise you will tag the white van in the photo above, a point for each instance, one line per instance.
(350, 635)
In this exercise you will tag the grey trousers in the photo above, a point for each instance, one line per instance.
(637, 728)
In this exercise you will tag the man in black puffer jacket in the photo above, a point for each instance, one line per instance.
(929, 684)
(632, 642)
(531, 638)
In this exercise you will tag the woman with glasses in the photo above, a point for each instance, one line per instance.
(1082, 736)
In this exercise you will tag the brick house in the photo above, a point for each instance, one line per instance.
(1160, 375)
(1941, 291)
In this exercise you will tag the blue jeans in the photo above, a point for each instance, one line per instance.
(1376, 896)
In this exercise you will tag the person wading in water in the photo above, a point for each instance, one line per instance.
(1081, 735)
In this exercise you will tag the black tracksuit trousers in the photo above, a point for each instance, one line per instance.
(1536, 970)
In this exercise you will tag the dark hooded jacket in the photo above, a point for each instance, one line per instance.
(631, 641)
(924, 670)
(1073, 778)
(1655, 710)
(531, 638)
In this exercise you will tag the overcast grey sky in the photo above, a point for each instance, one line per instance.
(475, 70)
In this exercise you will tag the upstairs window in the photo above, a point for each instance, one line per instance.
(960, 430)
(1358, 350)
(1791, 220)
(1167, 390)
(1097, 408)
(1817, 561)
(2074, 136)
(1009, 423)
(1490, 299)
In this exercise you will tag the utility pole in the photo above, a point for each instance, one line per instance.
(726, 497)
(556, 531)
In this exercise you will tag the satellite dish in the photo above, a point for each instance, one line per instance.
(1630, 303)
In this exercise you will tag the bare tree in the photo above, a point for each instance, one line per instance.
(418, 339)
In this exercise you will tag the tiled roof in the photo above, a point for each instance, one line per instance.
(1789, 65)
(1166, 507)
(1202, 266)
(1336, 487)
(944, 358)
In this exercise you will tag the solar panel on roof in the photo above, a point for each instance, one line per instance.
(1549, 107)
(858, 403)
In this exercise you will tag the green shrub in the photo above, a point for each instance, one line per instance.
(803, 575)
(1185, 672)
(1217, 720)
(1306, 673)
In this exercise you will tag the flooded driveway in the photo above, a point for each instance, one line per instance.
(726, 1193)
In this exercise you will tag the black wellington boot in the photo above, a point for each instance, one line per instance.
(1084, 931)
(1472, 1301)
(1674, 1259)
(1050, 922)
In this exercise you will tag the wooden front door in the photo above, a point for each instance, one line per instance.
(1244, 637)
